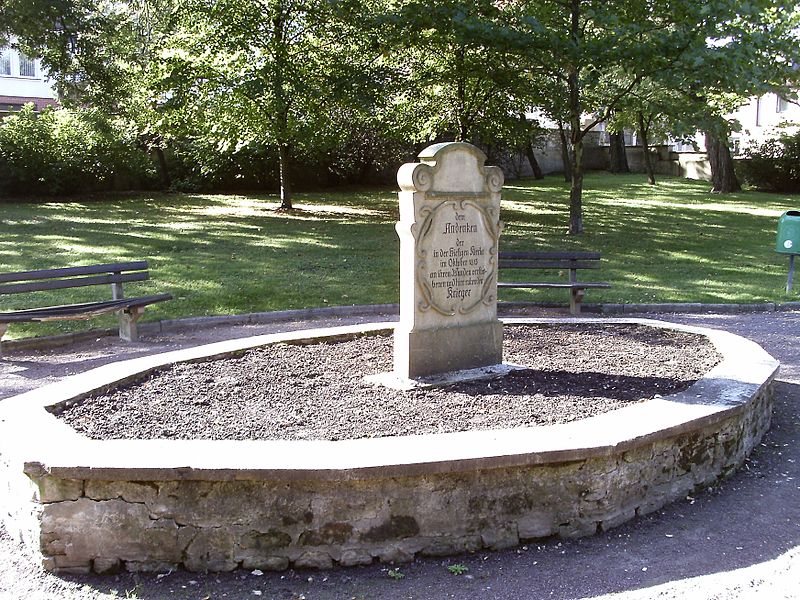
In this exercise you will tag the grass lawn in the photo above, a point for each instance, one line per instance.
(227, 254)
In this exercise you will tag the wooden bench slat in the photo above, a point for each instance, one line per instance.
(550, 255)
(566, 260)
(138, 265)
(72, 282)
(577, 285)
(547, 264)
(83, 310)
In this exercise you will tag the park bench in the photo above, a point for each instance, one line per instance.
(115, 274)
(569, 262)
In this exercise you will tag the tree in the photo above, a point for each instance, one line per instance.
(455, 76)
(100, 54)
(592, 54)
(618, 159)
(596, 54)
(231, 75)
(255, 72)
(750, 48)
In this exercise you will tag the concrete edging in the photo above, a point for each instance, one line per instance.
(504, 485)
(172, 325)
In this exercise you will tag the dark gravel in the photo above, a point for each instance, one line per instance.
(317, 391)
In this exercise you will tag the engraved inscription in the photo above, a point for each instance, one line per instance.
(456, 253)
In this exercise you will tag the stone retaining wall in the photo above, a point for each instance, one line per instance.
(470, 490)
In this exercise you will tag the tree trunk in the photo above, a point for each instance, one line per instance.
(565, 157)
(723, 176)
(528, 147)
(576, 189)
(618, 160)
(163, 171)
(286, 184)
(576, 133)
(537, 170)
(648, 160)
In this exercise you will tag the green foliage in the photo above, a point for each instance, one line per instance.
(458, 569)
(66, 151)
(396, 574)
(774, 165)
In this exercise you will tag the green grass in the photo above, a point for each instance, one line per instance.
(227, 254)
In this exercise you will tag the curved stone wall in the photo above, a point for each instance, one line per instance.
(212, 505)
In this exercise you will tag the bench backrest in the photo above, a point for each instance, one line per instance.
(549, 260)
(70, 277)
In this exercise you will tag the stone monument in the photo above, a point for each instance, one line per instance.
(449, 230)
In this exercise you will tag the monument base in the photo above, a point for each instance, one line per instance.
(419, 353)
(395, 382)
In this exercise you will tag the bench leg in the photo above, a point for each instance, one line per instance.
(575, 299)
(3, 329)
(127, 323)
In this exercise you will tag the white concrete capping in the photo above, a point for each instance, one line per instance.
(47, 445)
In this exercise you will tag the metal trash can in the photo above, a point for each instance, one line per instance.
(788, 240)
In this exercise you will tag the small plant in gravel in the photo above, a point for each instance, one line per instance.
(396, 574)
(132, 594)
(458, 569)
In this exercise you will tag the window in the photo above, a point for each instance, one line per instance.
(27, 66)
(758, 111)
(5, 61)
(783, 105)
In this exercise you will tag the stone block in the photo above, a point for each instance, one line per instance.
(106, 566)
(394, 555)
(129, 491)
(327, 535)
(53, 489)
(537, 525)
(263, 543)
(314, 559)
(449, 545)
(501, 537)
(449, 232)
(433, 351)
(150, 566)
(211, 550)
(266, 563)
(351, 558)
(72, 565)
(109, 529)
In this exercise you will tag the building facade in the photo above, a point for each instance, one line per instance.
(763, 118)
(23, 80)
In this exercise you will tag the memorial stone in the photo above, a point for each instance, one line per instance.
(449, 230)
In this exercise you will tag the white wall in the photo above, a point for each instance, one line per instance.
(15, 87)
(761, 118)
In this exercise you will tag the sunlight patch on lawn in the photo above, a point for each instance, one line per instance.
(181, 226)
(705, 206)
(527, 207)
(252, 207)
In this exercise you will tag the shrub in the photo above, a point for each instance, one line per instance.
(65, 151)
(774, 165)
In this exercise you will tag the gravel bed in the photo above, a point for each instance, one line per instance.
(317, 391)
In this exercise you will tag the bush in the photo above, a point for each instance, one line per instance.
(65, 151)
(774, 165)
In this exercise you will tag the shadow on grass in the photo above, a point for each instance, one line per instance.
(228, 254)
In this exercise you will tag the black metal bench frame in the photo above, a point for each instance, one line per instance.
(554, 261)
(115, 274)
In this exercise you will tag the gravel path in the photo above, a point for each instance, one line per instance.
(740, 539)
(318, 391)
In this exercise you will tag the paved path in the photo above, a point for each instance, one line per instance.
(740, 539)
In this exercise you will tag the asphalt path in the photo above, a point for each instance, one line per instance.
(738, 539)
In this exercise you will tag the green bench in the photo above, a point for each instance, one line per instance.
(568, 263)
(114, 274)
